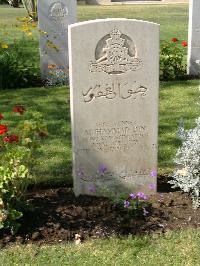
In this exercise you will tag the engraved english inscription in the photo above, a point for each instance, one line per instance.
(115, 54)
(115, 136)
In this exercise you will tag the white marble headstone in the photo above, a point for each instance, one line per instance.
(54, 18)
(114, 84)
(194, 38)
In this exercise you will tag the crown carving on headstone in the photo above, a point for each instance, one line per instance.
(116, 54)
(58, 11)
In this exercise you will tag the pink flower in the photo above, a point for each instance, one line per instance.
(152, 186)
(141, 195)
(153, 173)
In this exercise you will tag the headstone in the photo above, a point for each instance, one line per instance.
(194, 38)
(98, 2)
(54, 18)
(114, 83)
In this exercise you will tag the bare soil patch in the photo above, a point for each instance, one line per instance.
(58, 215)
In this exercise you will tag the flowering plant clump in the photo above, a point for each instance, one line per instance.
(57, 76)
(18, 141)
(134, 205)
(171, 60)
(17, 67)
(187, 176)
(137, 204)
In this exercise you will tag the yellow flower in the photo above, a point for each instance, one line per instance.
(34, 24)
(4, 46)
(29, 33)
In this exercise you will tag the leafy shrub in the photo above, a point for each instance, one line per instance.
(18, 141)
(16, 68)
(13, 183)
(187, 176)
(171, 60)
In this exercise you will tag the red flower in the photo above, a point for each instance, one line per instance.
(184, 44)
(3, 129)
(11, 139)
(19, 109)
(1, 116)
(174, 40)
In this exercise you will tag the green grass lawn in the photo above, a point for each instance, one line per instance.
(173, 20)
(172, 249)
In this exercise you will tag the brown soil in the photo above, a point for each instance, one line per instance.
(58, 215)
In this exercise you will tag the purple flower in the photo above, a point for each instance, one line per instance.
(92, 188)
(153, 173)
(132, 196)
(80, 173)
(152, 186)
(126, 204)
(141, 195)
(145, 212)
(102, 168)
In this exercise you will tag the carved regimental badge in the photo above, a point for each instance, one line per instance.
(58, 11)
(115, 54)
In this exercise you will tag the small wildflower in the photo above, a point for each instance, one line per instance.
(102, 168)
(1, 116)
(29, 33)
(4, 46)
(153, 173)
(3, 129)
(174, 40)
(152, 186)
(126, 204)
(184, 43)
(141, 195)
(132, 196)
